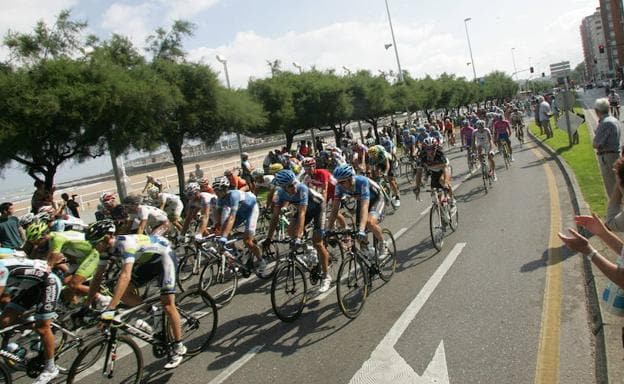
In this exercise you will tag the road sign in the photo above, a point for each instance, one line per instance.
(565, 100)
(575, 122)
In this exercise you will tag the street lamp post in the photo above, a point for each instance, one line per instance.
(396, 51)
(513, 59)
(223, 61)
(474, 71)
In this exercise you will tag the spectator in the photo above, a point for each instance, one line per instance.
(606, 142)
(11, 235)
(199, 174)
(40, 197)
(268, 160)
(192, 178)
(151, 181)
(235, 181)
(70, 206)
(304, 150)
(544, 117)
(318, 144)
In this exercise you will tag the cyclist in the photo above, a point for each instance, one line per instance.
(517, 123)
(310, 207)
(200, 202)
(152, 182)
(171, 204)
(466, 133)
(614, 102)
(502, 132)
(448, 129)
(482, 142)
(360, 152)
(381, 161)
(236, 182)
(145, 215)
(82, 260)
(434, 160)
(322, 181)
(30, 283)
(233, 209)
(108, 201)
(370, 203)
(143, 259)
(409, 143)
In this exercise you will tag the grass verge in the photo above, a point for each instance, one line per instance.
(582, 160)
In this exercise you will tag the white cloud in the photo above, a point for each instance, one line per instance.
(130, 21)
(22, 15)
(185, 9)
(356, 45)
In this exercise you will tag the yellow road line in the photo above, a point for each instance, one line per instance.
(547, 368)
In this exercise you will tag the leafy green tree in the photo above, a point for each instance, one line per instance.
(498, 86)
(372, 98)
(578, 74)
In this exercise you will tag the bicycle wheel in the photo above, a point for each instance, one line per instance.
(219, 281)
(387, 263)
(5, 376)
(436, 227)
(289, 291)
(187, 265)
(198, 320)
(410, 172)
(127, 367)
(352, 285)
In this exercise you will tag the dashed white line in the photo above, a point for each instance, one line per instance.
(236, 365)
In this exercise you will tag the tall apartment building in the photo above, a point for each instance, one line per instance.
(612, 13)
(592, 36)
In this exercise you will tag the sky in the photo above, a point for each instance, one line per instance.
(430, 36)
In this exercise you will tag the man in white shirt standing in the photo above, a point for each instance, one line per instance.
(544, 116)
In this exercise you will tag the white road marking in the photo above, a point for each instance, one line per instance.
(236, 365)
(399, 233)
(385, 365)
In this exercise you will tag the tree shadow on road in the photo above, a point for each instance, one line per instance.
(563, 254)
(475, 193)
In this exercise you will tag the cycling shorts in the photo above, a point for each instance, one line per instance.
(315, 212)
(250, 220)
(42, 296)
(503, 136)
(435, 179)
(174, 211)
(162, 268)
(375, 207)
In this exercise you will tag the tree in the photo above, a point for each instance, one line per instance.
(371, 98)
(578, 74)
(498, 86)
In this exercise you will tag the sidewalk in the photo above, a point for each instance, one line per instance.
(608, 328)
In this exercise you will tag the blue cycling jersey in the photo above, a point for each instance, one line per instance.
(420, 138)
(388, 145)
(302, 196)
(364, 189)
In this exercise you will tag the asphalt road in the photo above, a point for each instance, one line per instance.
(472, 313)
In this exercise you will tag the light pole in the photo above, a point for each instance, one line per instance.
(474, 71)
(513, 59)
(394, 44)
(298, 66)
(223, 61)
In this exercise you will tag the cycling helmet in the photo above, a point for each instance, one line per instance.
(430, 142)
(46, 213)
(191, 189)
(343, 172)
(257, 173)
(132, 200)
(107, 197)
(36, 230)
(370, 141)
(284, 177)
(96, 231)
(464, 123)
(275, 167)
(296, 168)
(421, 130)
(412, 130)
(309, 162)
(25, 220)
(373, 151)
(221, 183)
(406, 132)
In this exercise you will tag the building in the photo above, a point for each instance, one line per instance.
(593, 37)
(612, 14)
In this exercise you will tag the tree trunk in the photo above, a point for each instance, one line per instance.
(176, 152)
(49, 174)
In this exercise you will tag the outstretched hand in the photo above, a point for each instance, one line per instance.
(576, 242)
(592, 223)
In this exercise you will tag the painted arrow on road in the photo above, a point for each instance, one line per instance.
(385, 364)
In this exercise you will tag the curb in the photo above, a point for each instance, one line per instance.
(580, 207)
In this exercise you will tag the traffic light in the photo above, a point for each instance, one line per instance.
(543, 74)
(531, 69)
(601, 48)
